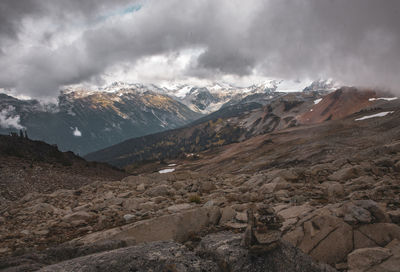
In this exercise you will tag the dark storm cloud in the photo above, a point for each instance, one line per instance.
(13, 11)
(355, 41)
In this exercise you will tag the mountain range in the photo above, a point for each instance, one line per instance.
(88, 119)
(237, 123)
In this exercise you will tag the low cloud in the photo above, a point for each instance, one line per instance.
(8, 119)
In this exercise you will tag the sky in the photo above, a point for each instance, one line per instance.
(46, 45)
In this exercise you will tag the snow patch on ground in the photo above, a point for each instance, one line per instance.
(381, 114)
(77, 132)
(383, 98)
(166, 171)
(172, 164)
(317, 101)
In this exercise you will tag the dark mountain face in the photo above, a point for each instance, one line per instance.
(84, 122)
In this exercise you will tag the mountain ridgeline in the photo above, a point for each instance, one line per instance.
(230, 124)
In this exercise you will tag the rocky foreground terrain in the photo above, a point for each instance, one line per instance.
(331, 191)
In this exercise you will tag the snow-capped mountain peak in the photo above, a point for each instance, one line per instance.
(208, 98)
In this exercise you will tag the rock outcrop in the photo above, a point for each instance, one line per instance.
(216, 252)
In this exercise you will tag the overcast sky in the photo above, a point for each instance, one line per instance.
(48, 44)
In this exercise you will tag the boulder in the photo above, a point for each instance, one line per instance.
(225, 248)
(141, 187)
(136, 180)
(216, 252)
(43, 208)
(81, 215)
(206, 187)
(381, 233)
(179, 207)
(227, 214)
(362, 241)
(288, 174)
(391, 264)
(132, 204)
(364, 212)
(241, 217)
(376, 211)
(327, 239)
(157, 256)
(395, 216)
(364, 258)
(177, 226)
(147, 206)
(333, 190)
(161, 190)
(295, 236)
(345, 174)
(282, 195)
(354, 215)
(268, 188)
(255, 181)
(295, 211)
(129, 217)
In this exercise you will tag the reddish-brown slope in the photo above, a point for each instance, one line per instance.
(337, 105)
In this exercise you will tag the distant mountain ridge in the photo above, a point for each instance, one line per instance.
(210, 98)
(239, 122)
(230, 124)
(89, 119)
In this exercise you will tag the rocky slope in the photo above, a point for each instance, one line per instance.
(237, 123)
(338, 104)
(28, 166)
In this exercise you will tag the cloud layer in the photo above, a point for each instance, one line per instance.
(46, 44)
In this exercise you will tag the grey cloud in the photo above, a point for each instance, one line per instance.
(12, 12)
(355, 41)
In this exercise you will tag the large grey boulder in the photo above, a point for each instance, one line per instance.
(216, 252)
(177, 226)
(225, 248)
(156, 256)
